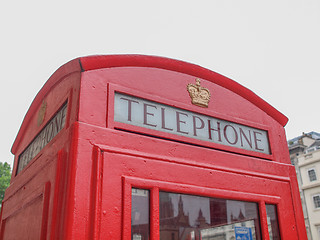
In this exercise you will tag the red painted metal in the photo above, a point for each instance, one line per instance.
(79, 185)
(98, 62)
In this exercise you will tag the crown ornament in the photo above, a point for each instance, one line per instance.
(200, 96)
(42, 112)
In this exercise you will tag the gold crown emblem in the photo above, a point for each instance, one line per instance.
(42, 112)
(200, 96)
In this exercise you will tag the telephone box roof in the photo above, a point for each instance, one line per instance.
(109, 61)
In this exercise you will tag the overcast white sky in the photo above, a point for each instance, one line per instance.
(271, 47)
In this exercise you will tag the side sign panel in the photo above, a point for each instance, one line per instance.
(55, 125)
(143, 113)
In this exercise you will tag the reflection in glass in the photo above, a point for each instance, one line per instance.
(140, 214)
(272, 218)
(187, 217)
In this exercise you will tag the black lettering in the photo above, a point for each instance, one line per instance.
(146, 113)
(216, 130)
(129, 106)
(227, 137)
(248, 139)
(179, 121)
(163, 118)
(195, 127)
(256, 140)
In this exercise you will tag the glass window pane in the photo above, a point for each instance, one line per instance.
(272, 218)
(187, 217)
(312, 175)
(140, 214)
(316, 201)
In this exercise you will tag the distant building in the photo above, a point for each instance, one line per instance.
(305, 156)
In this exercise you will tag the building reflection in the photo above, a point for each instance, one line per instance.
(187, 217)
(214, 219)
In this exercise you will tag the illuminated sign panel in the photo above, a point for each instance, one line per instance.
(148, 114)
(55, 125)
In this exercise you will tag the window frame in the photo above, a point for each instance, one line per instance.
(313, 200)
(155, 186)
(309, 170)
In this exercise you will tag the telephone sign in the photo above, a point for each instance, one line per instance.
(164, 118)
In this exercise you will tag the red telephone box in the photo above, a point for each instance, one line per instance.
(142, 147)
